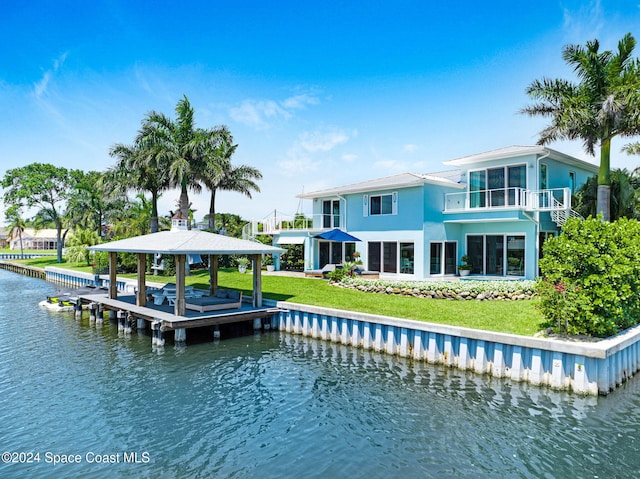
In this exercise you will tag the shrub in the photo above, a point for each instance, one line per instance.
(591, 277)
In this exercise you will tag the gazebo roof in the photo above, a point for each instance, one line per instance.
(187, 242)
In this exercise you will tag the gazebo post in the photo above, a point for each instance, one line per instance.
(141, 296)
(213, 274)
(257, 280)
(180, 307)
(113, 285)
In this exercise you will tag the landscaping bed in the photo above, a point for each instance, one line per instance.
(448, 290)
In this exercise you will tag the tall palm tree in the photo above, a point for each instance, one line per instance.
(181, 145)
(143, 168)
(219, 174)
(602, 105)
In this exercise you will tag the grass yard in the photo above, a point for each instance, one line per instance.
(515, 317)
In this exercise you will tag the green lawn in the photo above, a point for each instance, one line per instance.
(516, 317)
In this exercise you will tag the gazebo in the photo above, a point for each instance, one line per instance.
(181, 242)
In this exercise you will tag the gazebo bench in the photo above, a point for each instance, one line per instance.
(223, 299)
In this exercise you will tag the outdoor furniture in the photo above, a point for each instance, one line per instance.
(320, 273)
(222, 299)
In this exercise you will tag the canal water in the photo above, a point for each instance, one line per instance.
(80, 400)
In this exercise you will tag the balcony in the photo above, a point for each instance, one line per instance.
(556, 201)
(278, 223)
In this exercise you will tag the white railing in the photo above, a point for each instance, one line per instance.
(508, 198)
(279, 223)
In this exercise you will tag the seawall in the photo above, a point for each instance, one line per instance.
(582, 367)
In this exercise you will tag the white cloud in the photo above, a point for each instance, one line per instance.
(41, 86)
(260, 114)
(410, 148)
(256, 113)
(584, 23)
(300, 101)
(349, 157)
(322, 140)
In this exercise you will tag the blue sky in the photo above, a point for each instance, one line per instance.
(316, 94)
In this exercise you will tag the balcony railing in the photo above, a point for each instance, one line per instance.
(279, 223)
(508, 198)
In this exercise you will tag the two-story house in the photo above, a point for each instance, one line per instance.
(496, 207)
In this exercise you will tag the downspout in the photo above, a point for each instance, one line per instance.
(536, 256)
(342, 198)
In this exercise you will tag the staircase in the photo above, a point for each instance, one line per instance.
(560, 215)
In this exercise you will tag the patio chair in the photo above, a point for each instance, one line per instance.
(320, 273)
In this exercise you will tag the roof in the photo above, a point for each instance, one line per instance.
(403, 180)
(46, 233)
(516, 151)
(187, 242)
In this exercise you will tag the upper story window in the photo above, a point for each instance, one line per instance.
(331, 214)
(376, 205)
(497, 186)
(544, 176)
(572, 181)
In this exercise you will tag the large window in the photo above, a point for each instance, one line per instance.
(497, 255)
(336, 253)
(383, 256)
(443, 255)
(497, 187)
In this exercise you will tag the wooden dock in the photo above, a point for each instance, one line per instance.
(169, 321)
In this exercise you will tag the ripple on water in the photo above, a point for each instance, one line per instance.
(279, 405)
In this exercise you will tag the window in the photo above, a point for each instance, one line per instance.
(443, 257)
(497, 255)
(544, 176)
(381, 204)
(383, 256)
(334, 252)
(572, 181)
(331, 214)
(497, 187)
(406, 258)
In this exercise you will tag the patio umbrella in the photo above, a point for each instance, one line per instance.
(336, 235)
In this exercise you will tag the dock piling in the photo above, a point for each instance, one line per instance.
(121, 320)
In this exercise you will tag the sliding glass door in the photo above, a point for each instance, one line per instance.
(497, 255)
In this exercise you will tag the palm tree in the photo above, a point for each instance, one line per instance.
(219, 173)
(625, 195)
(77, 246)
(16, 224)
(141, 167)
(602, 105)
(181, 145)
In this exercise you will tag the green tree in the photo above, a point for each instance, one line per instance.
(625, 195)
(43, 186)
(141, 167)
(602, 105)
(76, 248)
(93, 201)
(134, 219)
(219, 174)
(591, 277)
(17, 224)
(181, 145)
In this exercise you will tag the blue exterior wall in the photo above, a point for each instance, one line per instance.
(420, 217)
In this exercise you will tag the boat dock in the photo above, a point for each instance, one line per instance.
(161, 318)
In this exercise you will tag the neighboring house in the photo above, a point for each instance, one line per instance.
(34, 239)
(4, 238)
(496, 207)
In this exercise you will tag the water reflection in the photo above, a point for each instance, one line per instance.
(278, 405)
